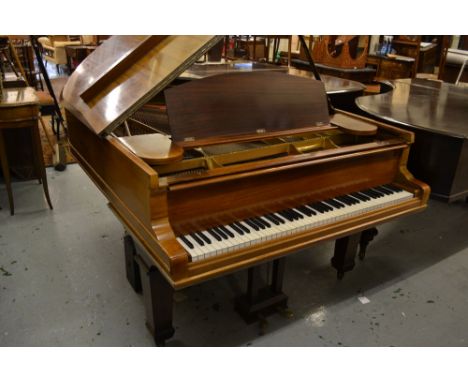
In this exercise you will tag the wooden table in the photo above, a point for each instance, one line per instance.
(392, 68)
(19, 109)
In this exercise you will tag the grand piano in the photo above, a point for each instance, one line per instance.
(437, 114)
(251, 168)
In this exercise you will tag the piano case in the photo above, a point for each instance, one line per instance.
(243, 147)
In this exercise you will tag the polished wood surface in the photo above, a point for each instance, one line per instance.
(422, 104)
(391, 67)
(252, 104)
(153, 148)
(340, 51)
(15, 97)
(19, 109)
(125, 72)
(437, 113)
(151, 209)
(333, 85)
(342, 91)
(198, 71)
(253, 142)
(353, 125)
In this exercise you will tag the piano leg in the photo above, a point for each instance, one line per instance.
(366, 237)
(131, 266)
(262, 299)
(157, 294)
(345, 252)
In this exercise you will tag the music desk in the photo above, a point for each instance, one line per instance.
(19, 109)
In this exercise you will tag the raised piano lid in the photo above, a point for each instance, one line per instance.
(125, 72)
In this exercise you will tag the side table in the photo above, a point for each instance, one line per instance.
(19, 109)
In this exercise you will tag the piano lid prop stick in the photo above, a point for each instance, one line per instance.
(331, 109)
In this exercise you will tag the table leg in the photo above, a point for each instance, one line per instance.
(39, 162)
(6, 172)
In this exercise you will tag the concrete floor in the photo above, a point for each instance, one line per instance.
(62, 282)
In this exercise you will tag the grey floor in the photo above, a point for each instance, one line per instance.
(62, 282)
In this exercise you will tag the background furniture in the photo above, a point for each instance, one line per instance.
(437, 113)
(338, 56)
(76, 54)
(19, 109)
(53, 49)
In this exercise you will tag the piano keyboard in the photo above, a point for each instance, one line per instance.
(220, 240)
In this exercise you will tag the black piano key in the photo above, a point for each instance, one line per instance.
(197, 239)
(342, 204)
(252, 224)
(264, 221)
(344, 200)
(353, 199)
(317, 207)
(383, 190)
(299, 214)
(187, 242)
(312, 211)
(306, 211)
(326, 206)
(204, 237)
(294, 214)
(377, 192)
(236, 228)
(214, 234)
(372, 194)
(279, 218)
(360, 196)
(392, 187)
(286, 215)
(242, 226)
(220, 233)
(226, 231)
(259, 223)
(273, 219)
(334, 203)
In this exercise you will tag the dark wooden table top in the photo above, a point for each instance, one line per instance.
(333, 85)
(422, 104)
(198, 71)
